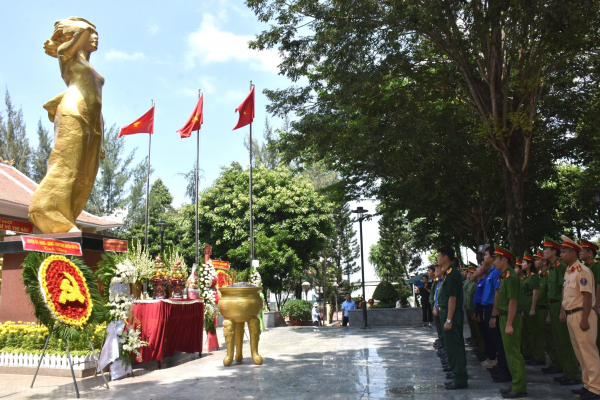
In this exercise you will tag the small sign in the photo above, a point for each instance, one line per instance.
(45, 245)
(220, 264)
(208, 249)
(8, 224)
(117, 245)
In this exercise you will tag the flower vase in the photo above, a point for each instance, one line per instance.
(160, 288)
(193, 294)
(177, 286)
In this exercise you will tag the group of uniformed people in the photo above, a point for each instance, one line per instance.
(519, 309)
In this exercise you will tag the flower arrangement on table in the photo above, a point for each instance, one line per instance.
(63, 301)
(207, 280)
(176, 272)
(142, 262)
(117, 272)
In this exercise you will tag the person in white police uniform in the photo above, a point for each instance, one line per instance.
(315, 314)
(578, 297)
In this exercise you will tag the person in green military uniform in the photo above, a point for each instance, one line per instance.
(450, 303)
(525, 349)
(439, 343)
(560, 331)
(588, 256)
(506, 313)
(530, 291)
(541, 314)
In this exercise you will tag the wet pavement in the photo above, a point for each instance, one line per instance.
(299, 363)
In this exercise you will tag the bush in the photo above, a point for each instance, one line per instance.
(297, 310)
(386, 293)
(384, 305)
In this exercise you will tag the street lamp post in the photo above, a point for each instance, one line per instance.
(362, 215)
(162, 225)
(335, 287)
(305, 286)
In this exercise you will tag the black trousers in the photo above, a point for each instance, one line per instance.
(344, 321)
(497, 340)
(490, 348)
(427, 314)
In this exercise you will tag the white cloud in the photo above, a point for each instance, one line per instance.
(153, 29)
(209, 44)
(207, 84)
(116, 55)
(232, 96)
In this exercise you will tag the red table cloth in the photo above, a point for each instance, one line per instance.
(169, 326)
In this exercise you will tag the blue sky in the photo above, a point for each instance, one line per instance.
(161, 51)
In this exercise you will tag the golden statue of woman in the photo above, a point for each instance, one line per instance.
(78, 126)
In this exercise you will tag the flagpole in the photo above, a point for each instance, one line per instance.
(148, 186)
(250, 184)
(197, 183)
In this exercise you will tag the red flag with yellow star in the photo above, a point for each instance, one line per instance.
(195, 120)
(246, 110)
(144, 124)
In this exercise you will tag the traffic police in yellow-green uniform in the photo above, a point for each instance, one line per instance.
(541, 313)
(560, 332)
(587, 254)
(506, 312)
(450, 303)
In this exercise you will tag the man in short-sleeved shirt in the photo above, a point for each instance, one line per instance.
(348, 304)
(578, 298)
(588, 255)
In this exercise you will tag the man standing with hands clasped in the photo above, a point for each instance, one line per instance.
(450, 303)
(348, 304)
(578, 298)
(505, 313)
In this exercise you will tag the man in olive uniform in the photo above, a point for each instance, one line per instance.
(505, 312)
(439, 343)
(578, 299)
(588, 255)
(541, 314)
(450, 303)
(560, 332)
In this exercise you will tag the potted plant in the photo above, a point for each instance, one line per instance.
(297, 310)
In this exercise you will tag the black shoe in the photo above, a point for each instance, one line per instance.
(580, 391)
(501, 379)
(494, 368)
(560, 378)
(454, 386)
(447, 369)
(514, 395)
(507, 390)
(450, 375)
(569, 382)
(481, 357)
(589, 396)
(552, 370)
(448, 383)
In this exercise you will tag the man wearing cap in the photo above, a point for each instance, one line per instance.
(450, 303)
(578, 298)
(541, 314)
(441, 351)
(530, 291)
(315, 314)
(588, 255)
(505, 308)
(560, 331)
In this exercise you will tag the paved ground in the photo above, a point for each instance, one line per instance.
(299, 363)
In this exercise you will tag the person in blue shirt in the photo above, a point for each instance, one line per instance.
(490, 350)
(500, 372)
(348, 304)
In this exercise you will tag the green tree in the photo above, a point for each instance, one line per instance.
(395, 254)
(39, 166)
(190, 189)
(14, 144)
(110, 190)
(291, 222)
(497, 58)
(136, 201)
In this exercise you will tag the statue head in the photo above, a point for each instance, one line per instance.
(64, 29)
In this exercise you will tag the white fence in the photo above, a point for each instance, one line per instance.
(49, 361)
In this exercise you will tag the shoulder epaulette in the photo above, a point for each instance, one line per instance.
(578, 268)
(448, 271)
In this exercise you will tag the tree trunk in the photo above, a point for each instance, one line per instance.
(514, 184)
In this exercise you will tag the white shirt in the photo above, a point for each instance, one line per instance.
(315, 314)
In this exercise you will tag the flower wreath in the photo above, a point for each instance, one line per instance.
(65, 290)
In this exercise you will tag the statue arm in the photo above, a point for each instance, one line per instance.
(70, 48)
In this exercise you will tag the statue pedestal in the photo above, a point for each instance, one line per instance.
(14, 302)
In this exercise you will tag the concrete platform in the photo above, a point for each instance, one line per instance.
(300, 363)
